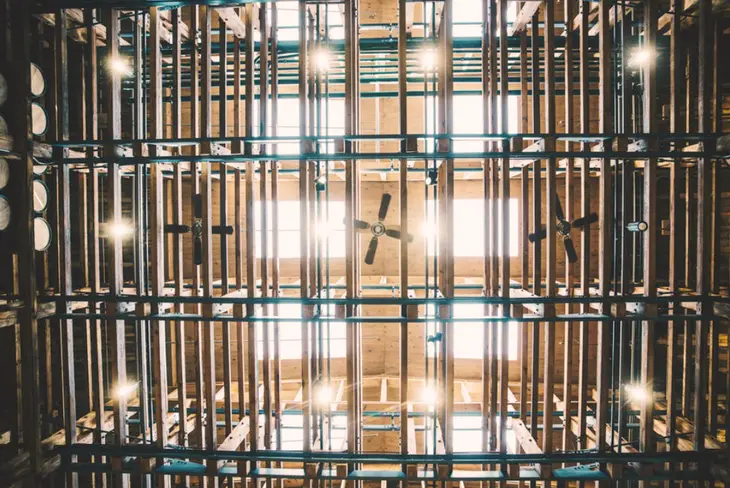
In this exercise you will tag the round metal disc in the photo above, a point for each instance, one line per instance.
(39, 169)
(4, 173)
(40, 196)
(378, 229)
(37, 81)
(42, 231)
(4, 213)
(39, 118)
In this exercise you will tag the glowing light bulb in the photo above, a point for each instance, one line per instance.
(637, 393)
(119, 66)
(322, 60)
(323, 397)
(124, 390)
(429, 397)
(641, 57)
(119, 230)
(428, 59)
(429, 229)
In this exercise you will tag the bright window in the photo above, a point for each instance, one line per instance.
(335, 120)
(290, 334)
(469, 336)
(469, 119)
(468, 17)
(468, 434)
(288, 21)
(469, 227)
(288, 122)
(331, 229)
(291, 432)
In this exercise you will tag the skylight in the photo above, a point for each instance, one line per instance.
(468, 434)
(331, 230)
(469, 119)
(469, 336)
(290, 335)
(469, 227)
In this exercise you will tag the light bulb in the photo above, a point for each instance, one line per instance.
(428, 59)
(429, 397)
(124, 390)
(641, 57)
(322, 60)
(323, 397)
(119, 66)
(637, 393)
(119, 230)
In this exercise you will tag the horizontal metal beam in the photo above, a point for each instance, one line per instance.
(381, 458)
(492, 300)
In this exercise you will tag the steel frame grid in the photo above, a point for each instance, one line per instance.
(645, 305)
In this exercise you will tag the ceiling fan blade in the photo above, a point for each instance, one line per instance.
(395, 233)
(570, 250)
(587, 220)
(538, 235)
(384, 204)
(227, 230)
(198, 251)
(372, 247)
(198, 206)
(558, 208)
(360, 224)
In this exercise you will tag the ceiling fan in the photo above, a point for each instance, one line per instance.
(379, 229)
(197, 229)
(563, 228)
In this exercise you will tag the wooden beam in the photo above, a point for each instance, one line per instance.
(524, 437)
(684, 430)
(704, 219)
(156, 202)
(686, 20)
(232, 21)
(605, 219)
(646, 439)
(252, 333)
(235, 438)
(223, 223)
(551, 190)
(112, 106)
(64, 238)
(405, 26)
(178, 219)
(275, 274)
(524, 16)
(209, 373)
(94, 253)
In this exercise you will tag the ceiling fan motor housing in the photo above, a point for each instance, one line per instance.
(564, 227)
(378, 229)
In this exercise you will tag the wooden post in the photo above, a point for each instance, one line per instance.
(646, 431)
(551, 190)
(605, 220)
(209, 376)
(403, 243)
(112, 106)
(64, 238)
(157, 258)
(704, 221)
